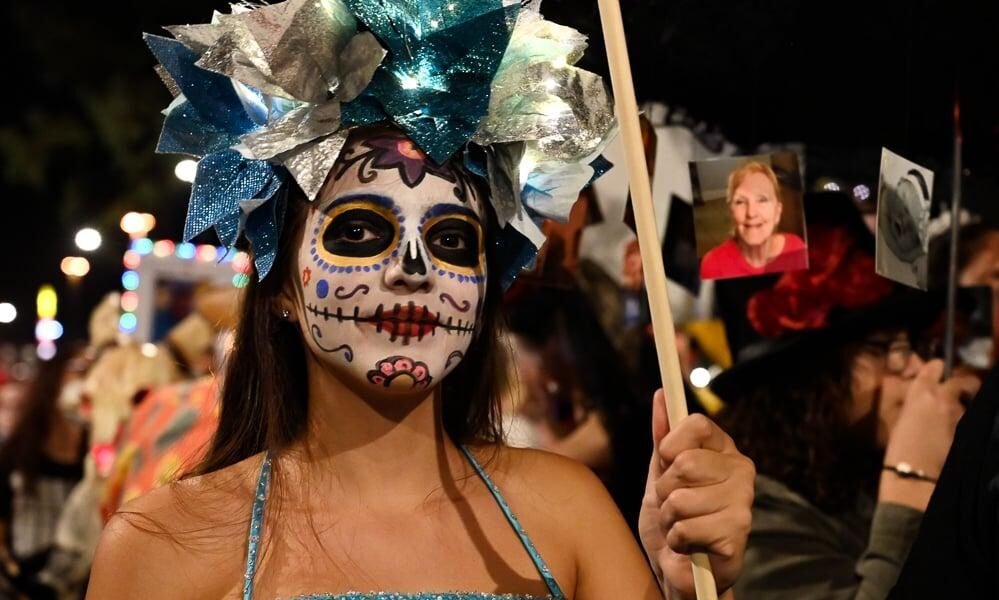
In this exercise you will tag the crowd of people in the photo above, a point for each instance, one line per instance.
(415, 398)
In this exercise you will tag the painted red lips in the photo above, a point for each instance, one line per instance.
(404, 320)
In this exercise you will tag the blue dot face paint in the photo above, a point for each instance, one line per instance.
(395, 245)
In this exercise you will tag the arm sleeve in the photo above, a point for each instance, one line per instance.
(795, 552)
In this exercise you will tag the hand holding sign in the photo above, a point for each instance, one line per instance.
(697, 497)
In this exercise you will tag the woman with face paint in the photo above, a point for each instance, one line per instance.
(358, 445)
(368, 360)
(756, 246)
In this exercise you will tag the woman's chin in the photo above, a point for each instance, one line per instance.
(754, 239)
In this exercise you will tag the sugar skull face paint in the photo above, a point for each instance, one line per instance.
(392, 267)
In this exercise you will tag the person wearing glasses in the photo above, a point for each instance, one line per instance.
(847, 423)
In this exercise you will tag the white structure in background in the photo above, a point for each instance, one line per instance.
(604, 243)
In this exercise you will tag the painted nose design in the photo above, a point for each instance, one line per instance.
(414, 263)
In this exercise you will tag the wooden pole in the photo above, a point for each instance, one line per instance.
(649, 245)
(955, 240)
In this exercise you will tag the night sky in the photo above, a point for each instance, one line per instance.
(81, 108)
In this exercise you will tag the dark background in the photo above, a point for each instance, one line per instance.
(81, 107)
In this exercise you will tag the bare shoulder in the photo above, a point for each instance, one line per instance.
(569, 505)
(560, 490)
(555, 477)
(193, 527)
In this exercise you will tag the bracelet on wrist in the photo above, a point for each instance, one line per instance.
(906, 471)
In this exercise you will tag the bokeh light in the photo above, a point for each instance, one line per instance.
(75, 266)
(186, 170)
(240, 280)
(143, 246)
(163, 248)
(128, 322)
(187, 250)
(88, 239)
(700, 377)
(48, 330)
(8, 312)
(130, 280)
(129, 301)
(132, 260)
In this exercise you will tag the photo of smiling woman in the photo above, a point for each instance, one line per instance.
(754, 243)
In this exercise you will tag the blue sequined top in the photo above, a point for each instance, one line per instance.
(256, 528)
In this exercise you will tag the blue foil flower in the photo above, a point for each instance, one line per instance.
(230, 193)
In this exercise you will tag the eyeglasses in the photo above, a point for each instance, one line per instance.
(897, 353)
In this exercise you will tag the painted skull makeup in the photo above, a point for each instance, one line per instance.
(392, 266)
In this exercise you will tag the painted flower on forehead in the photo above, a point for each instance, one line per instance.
(402, 154)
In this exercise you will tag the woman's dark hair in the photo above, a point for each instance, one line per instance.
(793, 422)
(542, 314)
(264, 397)
(24, 450)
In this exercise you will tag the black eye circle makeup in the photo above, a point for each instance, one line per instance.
(358, 233)
(455, 241)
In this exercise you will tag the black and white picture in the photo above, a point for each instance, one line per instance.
(905, 191)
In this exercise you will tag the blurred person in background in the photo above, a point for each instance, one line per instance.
(847, 425)
(576, 397)
(40, 463)
(11, 399)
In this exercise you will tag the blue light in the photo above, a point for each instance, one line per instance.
(48, 330)
(130, 280)
(128, 323)
(143, 246)
(187, 250)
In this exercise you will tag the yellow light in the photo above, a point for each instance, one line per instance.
(47, 302)
(75, 266)
(137, 225)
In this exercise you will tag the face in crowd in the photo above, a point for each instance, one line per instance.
(755, 207)
(392, 267)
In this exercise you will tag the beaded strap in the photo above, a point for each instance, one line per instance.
(256, 522)
(539, 562)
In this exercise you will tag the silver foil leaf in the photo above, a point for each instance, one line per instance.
(593, 115)
(312, 163)
(196, 37)
(290, 49)
(503, 168)
(358, 62)
(300, 126)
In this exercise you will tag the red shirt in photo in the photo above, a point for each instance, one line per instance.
(726, 260)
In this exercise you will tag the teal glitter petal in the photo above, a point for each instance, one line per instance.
(436, 82)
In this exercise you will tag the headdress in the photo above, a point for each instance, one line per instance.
(269, 93)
